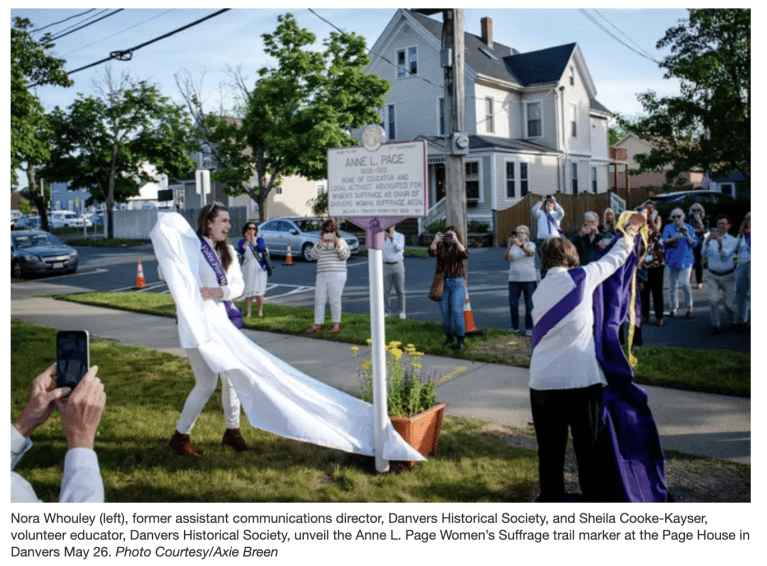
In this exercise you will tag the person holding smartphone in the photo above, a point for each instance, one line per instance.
(80, 417)
(520, 253)
(451, 256)
(220, 280)
(330, 252)
(254, 267)
(679, 240)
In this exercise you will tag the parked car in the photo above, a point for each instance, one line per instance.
(301, 233)
(35, 252)
(15, 215)
(27, 223)
(692, 196)
(67, 219)
(96, 219)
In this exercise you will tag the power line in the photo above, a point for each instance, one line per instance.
(64, 20)
(608, 32)
(118, 33)
(127, 54)
(86, 25)
(621, 32)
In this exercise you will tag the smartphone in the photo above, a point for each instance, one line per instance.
(513, 234)
(73, 357)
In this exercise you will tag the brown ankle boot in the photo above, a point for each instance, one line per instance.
(233, 438)
(180, 444)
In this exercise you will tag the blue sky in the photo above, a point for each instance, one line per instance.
(234, 40)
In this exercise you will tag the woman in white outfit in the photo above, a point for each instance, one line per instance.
(330, 253)
(254, 267)
(220, 279)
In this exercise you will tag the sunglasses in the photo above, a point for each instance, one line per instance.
(677, 216)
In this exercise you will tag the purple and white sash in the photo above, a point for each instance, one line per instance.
(234, 313)
(552, 224)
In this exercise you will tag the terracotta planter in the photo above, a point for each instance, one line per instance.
(422, 430)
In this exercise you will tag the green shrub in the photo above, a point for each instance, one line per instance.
(436, 226)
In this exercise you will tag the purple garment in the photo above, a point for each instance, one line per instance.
(629, 445)
(234, 313)
(628, 441)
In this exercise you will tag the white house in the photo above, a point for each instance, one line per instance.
(533, 121)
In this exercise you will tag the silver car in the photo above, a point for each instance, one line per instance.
(301, 233)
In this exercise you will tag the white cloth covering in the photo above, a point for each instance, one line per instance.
(275, 396)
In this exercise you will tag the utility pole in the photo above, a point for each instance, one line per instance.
(457, 141)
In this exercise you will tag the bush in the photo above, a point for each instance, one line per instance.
(477, 226)
(436, 226)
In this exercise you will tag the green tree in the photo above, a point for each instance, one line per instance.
(31, 66)
(105, 143)
(708, 124)
(308, 102)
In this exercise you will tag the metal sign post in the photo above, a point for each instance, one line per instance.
(375, 186)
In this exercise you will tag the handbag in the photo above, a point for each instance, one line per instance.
(437, 287)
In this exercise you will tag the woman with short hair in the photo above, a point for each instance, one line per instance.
(679, 240)
(520, 253)
(566, 379)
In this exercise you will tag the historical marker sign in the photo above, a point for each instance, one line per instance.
(388, 181)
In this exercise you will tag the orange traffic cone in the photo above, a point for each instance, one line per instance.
(468, 318)
(140, 283)
(289, 257)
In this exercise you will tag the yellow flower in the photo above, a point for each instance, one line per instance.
(410, 347)
(354, 348)
(417, 366)
(369, 341)
(367, 364)
(396, 353)
(394, 344)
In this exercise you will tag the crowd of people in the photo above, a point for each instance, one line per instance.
(556, 276)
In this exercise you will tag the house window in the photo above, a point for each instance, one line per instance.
(572, 75)
(441, 110)
(534, 122)
(523, 180)
(277, 190)
(407, 62)
(574, 120)
(511, 181)
(321, 188)
(594, 185)
(472, 180)
(388, 121)
(575, 178)
(728, 189)
(489, 115)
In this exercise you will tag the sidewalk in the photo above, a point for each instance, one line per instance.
(714, 426)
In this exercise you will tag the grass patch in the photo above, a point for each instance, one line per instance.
(713, 371)
(145, 392)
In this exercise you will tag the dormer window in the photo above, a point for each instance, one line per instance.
(407, 62)
(572, 75)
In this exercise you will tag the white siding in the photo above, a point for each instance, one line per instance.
(504, 104)
(599, 138)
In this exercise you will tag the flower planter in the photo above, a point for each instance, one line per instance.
(422, 430)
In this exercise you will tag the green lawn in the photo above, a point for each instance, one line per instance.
(145, 392)
(713, 371)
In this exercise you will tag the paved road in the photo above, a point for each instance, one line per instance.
(114, 269)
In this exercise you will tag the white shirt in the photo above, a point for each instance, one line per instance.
(81, 482)
(544, 230)
(393, 250)
(720, 258)
(565, 358)
(521, 265)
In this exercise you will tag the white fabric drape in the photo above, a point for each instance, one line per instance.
(275, 396)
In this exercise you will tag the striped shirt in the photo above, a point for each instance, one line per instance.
(329, 257)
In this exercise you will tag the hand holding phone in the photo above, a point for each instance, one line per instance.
(72, 356)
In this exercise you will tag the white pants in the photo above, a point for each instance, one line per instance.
(329, 287)
(204, 387)
(721, 289)
(394, 277)
(679, 277)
